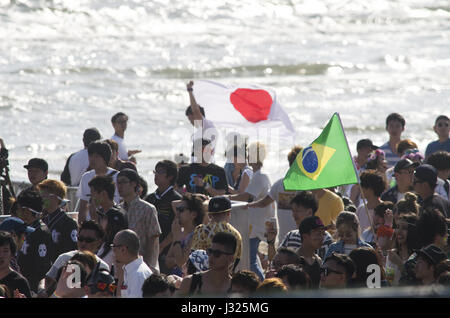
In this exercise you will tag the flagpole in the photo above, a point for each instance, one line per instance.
(357, 178)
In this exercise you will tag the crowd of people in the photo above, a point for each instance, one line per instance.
(186, 239)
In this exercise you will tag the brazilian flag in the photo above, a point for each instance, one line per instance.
(325, 163)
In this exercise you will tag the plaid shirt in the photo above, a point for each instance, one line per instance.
(143, 219)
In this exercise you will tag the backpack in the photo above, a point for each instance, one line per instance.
(65, 175)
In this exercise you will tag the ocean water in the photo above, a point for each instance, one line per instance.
(69, 65)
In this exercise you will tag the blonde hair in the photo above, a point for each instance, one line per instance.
(271, 286)
(257, 152)
(54, 187)
(405, 144)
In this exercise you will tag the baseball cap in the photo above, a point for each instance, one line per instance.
(405, 164)
(433, 253)
(426, 173)
(366, 143)
(309, 224)
(219, 204)
(15, 224)
(37, 163)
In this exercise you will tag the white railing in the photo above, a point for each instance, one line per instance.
(71, 193)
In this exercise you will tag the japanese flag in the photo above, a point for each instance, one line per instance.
(244, 106)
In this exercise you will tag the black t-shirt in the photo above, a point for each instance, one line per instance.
(313, 272)
(211, 174)
(437, 202)
(166, 216)
(164, 207)
(16, 281)
(64, 231)
(36, 255)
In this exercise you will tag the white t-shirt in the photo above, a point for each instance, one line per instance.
(286, 222)
(84, 191)
(78, 165)
(63, 259)
(367, 236)
(259, 187)
(123, 152)
(247, 171)
(348, 248)
(134, 275)
(400, 196)
(364, 222)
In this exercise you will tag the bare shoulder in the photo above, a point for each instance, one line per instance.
(185, 285)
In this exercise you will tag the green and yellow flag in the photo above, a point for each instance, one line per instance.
(325, 163)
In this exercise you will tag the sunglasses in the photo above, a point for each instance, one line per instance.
(32, 211)
(216, 253)
(111, 288)
(327, 271)
(442, 124)
(86, 239)
(180, 209)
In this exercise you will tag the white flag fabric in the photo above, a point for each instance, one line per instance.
(244, 106)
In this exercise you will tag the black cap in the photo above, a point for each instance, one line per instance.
(366, 143)
(405, 164)
(426, 173)
(37, 163)
(433, 253)
(309, 224)
(219, 204)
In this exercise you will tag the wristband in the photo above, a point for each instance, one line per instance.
(271, 242)
(190, 89)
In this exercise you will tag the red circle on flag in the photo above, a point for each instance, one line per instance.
(253, 104)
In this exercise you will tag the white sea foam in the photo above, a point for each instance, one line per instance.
(69, 65)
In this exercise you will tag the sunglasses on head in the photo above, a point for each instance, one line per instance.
(100, 286)
(36, 213)
(216, 253)
(327, 271)
(86, 239)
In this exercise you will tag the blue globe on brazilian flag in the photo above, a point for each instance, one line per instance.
(325, 163)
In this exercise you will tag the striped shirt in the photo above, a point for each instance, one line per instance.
(391, 157)
(293, 240)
